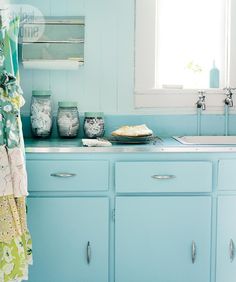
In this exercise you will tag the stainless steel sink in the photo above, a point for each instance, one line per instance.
(206, 140)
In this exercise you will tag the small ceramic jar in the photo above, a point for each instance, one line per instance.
(68, 119)
(41, 114)
(94, 125)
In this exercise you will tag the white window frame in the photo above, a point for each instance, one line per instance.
(173, 100)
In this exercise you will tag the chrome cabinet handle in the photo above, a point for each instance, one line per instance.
(231, 250)
(88, 253)
(163, 177)
(194, 252)
(63, 174)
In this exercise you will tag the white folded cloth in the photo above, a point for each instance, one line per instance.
(6, 185)
(13, 176)
(96, 143)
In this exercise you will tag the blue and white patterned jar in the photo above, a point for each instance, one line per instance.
(41, 113)
(94, 125)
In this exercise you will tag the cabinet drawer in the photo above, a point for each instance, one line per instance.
(67, 175)
(227, 175)
(163, 177)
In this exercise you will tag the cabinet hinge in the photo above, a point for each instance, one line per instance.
(113, 214)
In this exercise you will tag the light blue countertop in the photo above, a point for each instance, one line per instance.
(162, 145)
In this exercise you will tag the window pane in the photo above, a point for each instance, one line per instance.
(190, 36)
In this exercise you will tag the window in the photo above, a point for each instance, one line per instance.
(181, 47)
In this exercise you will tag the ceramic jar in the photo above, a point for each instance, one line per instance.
(94, 125)
(41, 114)
(68, 119)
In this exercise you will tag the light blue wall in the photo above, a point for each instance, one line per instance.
(105, 83)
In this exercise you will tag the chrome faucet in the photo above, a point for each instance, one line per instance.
(201, 103)
(229, 103)
(229, 97)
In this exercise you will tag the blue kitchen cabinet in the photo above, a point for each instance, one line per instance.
(67, 175)
(226, 175)
(70, 239)
(163, 239)
(159, 177)
(226, 239)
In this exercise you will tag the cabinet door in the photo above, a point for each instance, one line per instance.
(226, 239)
(156, 238)
(70, 239)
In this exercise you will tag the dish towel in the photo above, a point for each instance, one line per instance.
(15, 240)
(96, 143)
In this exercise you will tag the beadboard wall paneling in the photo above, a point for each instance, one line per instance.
(105, 82)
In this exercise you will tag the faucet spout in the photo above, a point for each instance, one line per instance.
(229, 103)
(201, 106)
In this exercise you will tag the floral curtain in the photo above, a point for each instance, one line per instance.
(15, 240)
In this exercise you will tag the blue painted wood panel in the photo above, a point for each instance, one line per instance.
(154, 237)
(140, 177)
(162, 125)
(227, 175)
(61, 229)
(88, 175)
(226, 231)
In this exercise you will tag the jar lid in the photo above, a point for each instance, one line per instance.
(41, 93)
(94, 114)
(67, 104)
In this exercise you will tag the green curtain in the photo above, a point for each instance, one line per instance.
(10, 37)
(14, 31)
(2, 36)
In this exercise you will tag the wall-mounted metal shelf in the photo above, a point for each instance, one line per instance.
(60, 20)
(53, 43)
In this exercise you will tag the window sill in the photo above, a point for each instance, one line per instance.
(167, 91)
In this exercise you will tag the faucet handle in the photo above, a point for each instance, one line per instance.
(229, 90)
(202, 94)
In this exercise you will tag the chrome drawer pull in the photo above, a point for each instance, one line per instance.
(163, 177)
(231, 250)
(88, 253)
(63, 174)
(194, 252)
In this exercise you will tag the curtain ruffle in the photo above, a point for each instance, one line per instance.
(15, 257)
(12, 218)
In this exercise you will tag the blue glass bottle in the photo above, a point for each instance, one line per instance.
(214, 77)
